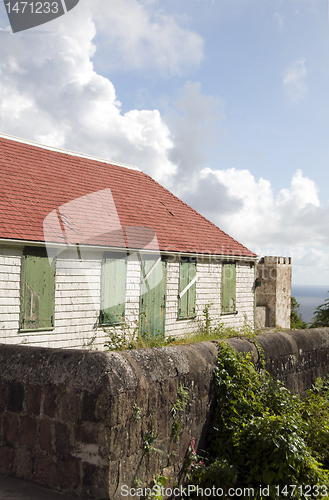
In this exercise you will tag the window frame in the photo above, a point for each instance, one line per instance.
(47, 298)
(228, 290)
(120, 259)
(186, 264)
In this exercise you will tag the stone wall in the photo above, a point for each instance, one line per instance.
(77, 420)
(296, 357)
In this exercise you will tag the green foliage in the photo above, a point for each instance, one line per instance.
(149, 439)
(296, 320)
(176, 429)
(260, 433)
(124, 338)
(316, 413)
(207, 317)
(157, 484)
(321, 315)
(181, 401)
(136, 412)
(179, 406)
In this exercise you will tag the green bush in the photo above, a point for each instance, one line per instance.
(261, 433)
(321, 315)
(296, 320)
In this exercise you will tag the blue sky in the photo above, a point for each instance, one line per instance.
(224, 102)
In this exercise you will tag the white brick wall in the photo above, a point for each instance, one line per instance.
(208, 291)
(10, 280)
(77, 299)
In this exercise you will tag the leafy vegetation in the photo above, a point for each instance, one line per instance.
(296, 320)
(124, 338)
(179, 406)
(262, 435)
(321, 315)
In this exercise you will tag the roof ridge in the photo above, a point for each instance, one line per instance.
(67, 152)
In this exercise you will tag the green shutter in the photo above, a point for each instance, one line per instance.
(113, 291)
(228, 288)
(183, 282)
(153, 296)
(186, 305)
(38, 291)
(191, 292)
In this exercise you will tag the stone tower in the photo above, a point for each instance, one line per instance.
(273, 292)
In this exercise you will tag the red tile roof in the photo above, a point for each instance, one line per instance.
(52, 195)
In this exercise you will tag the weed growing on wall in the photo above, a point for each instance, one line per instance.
(126, 337)
(179, 406)
(262, 435)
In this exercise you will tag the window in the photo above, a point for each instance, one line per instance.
(37, 291)
(187, 288)
(228, 288)
(113, 289)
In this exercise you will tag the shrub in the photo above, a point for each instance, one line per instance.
(259, 435)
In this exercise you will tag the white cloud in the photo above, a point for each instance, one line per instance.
(294, 80)
(192, 123)
(249, 211)
(291, 223)
(141, 36)
(50, 92)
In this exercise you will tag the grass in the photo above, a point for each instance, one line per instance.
(124, 339)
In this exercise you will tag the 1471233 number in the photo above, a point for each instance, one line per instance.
(33, 8)
(305, 490)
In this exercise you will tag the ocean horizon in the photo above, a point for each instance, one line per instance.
(309, 297)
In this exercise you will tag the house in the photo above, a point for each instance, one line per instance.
(88, 245)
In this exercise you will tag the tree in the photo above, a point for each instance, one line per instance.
(321, 315)
(296, 320)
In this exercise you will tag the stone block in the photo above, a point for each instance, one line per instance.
(69, 474)
(33, 400)
(97, 481)
(3, 396)
(71, 406)
(23, 466)
(135, 436)
(7, 455)
(89, 403)
(86, 433)
(28, 428)
(50, 405)
(16, 395)
(44, 470)
(62, 440)
(45, 435)
(10, 429)
(107, 410)
(117, 442)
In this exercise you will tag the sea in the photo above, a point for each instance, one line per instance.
(309, 297)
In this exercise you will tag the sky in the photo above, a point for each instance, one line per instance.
(224, 102)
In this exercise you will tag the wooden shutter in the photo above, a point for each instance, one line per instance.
(228, 288)
(37, 292)
(113, 291)
(153, 296)
(187, 291)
